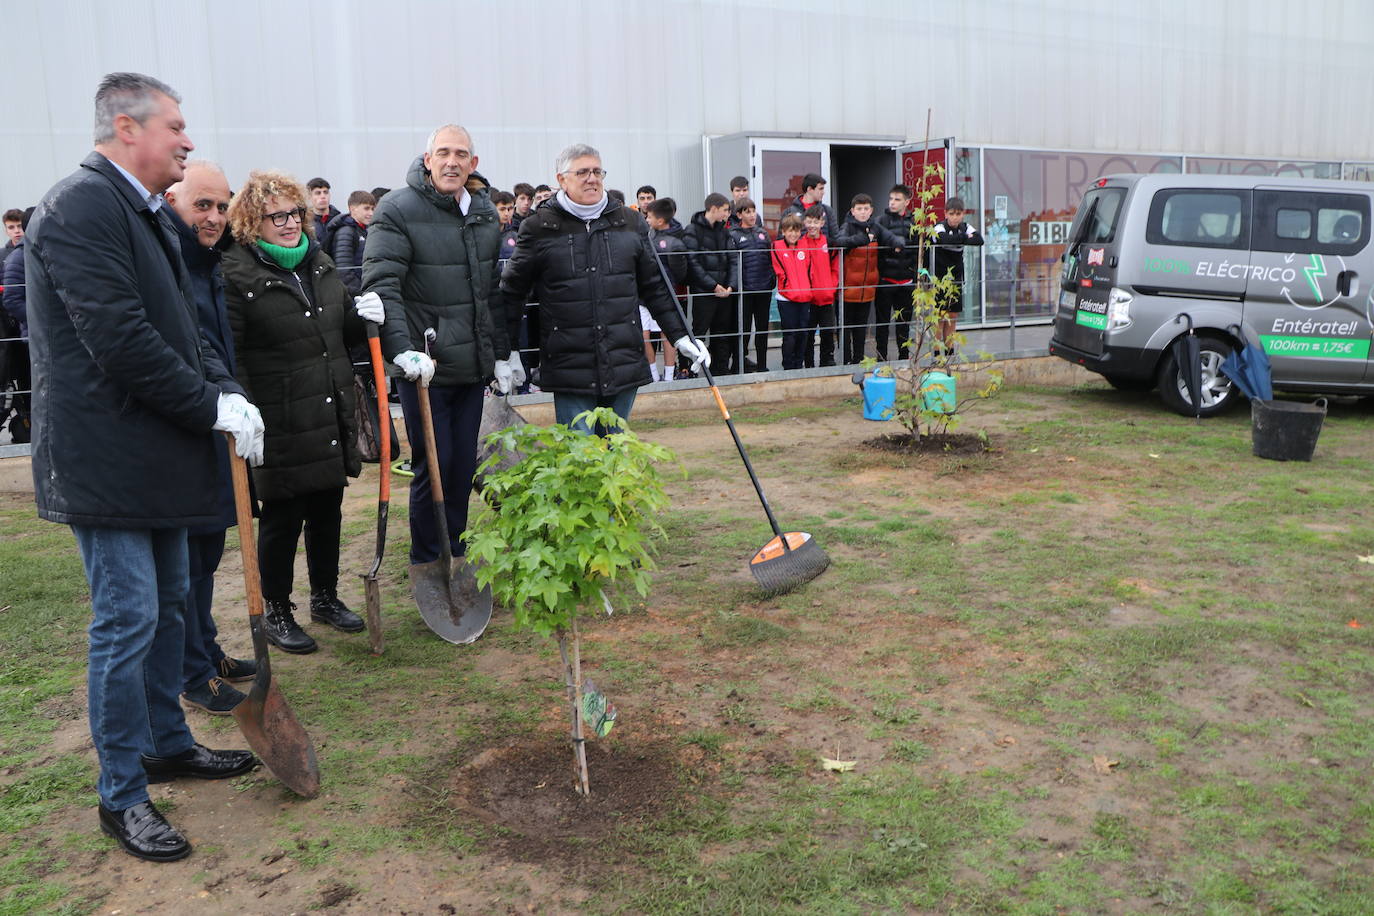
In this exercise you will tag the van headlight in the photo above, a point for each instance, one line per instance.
(1118, 309)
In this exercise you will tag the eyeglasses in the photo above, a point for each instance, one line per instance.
(584, 174)
(280, 218)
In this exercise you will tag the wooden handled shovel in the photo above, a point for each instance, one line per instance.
(370, 585)
(450, 601)
(264, 716)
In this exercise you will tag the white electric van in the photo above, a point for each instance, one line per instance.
(1284, 263)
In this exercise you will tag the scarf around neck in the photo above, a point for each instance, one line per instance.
(584, 212)
(286, 258)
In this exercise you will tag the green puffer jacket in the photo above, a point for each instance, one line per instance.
(435, 268)
(291, 346)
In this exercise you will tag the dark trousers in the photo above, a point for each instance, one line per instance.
(457, 418)
(822, 317)
(279, 532)
(701, 312)
(725, 337)
(855, 331)
(201, 659)
(795, 336)
(892, 303)
(756, 309)
(529, 334)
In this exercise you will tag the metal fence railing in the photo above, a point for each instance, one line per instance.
(746, 327)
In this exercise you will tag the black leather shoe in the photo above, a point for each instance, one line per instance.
(325, 607)
(280, 627)
(199, 762)
(144, 833)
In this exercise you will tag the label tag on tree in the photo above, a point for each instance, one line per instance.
(597, 712)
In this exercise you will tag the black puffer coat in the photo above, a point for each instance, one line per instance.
(711, 262)
(292, 330)
(433, 267)
(893, 264)
(589, 279)
(346, 243)
(125, 386)
(756, 258)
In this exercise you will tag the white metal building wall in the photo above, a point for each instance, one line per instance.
(350, 88)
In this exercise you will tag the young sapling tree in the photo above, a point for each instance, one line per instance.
(576, 514)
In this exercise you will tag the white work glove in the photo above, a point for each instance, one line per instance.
(694, 351)
(417, 366)
(369, 307)
(242, 420)
(517, 368)
(504, 375)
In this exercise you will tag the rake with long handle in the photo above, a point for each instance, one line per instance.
(790, 559)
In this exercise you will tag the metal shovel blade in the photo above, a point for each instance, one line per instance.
(271, 729)
(451, 605)
(373, 590)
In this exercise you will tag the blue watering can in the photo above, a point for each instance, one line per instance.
(880, 395)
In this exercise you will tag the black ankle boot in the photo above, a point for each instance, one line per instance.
(325, 607)
(282, 631)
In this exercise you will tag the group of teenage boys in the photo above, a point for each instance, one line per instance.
(828, 274)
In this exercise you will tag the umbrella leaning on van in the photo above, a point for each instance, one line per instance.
(1249, 368)
(1187, 351)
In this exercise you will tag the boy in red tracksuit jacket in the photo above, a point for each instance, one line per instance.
(792, 264)
(824, 281)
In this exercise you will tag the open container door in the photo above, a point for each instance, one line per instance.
(777, 167)
(912, 159)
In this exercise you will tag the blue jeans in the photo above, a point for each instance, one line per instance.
(139, 581)
(457, 413)
(201, 661)
(567, 406)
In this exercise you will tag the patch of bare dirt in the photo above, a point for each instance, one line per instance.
(937, 444)
(528, 790)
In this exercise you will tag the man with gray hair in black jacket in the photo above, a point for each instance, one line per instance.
(124, 381)
(588, 261)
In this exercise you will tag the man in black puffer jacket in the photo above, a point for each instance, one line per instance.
(896, 275)
(587, 260)
(712, 277)
(431, 257)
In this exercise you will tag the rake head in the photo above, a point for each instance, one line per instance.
(779, 567)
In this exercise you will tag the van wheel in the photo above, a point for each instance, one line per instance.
(1121, 383)
(1218, 394)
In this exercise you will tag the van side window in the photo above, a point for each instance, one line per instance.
(1293, 224)
(1199, 218)
(1311, 222)
(1338, 226)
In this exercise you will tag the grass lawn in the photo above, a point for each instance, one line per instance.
(1114, 665)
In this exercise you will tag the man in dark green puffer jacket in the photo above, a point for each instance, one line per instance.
(432, 258)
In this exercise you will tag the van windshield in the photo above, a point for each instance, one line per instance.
(1096, 220)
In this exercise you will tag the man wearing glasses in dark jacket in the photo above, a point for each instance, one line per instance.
(589, 263)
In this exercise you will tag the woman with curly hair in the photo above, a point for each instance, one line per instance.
(293, 322)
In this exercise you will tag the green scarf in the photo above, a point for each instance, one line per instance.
(287, 258)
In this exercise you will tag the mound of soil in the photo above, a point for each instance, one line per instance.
(529, 791)
(939, 444)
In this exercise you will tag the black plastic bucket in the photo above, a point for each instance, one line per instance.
(1285, 430)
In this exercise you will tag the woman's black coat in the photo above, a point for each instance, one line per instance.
(292, 330)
